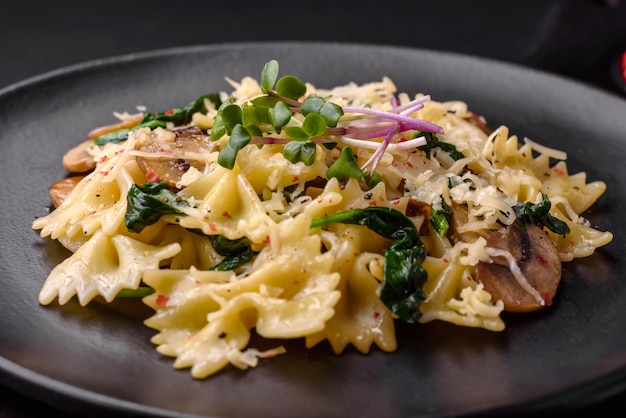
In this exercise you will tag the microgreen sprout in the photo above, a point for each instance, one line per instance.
(282, 115)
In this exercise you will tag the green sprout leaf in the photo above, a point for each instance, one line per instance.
(297, 133)
(372, 179)
(331, 112)
(314, 125)
(279, 115)
(345, 167)
(239, 138)
(290, 87)
(269, 76)
(219, 128)
(300, 151)
(312, 104)
(231, 116)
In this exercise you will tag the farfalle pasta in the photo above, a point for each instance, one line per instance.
(292, 211)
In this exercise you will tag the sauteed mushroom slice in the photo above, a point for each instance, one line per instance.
(124, 124)
(459, 218)
(536, 256)
(78, 160)
(60, 190)
(171, 152)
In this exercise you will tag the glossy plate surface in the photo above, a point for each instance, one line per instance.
(100, 359)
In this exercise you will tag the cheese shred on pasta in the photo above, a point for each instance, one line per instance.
(320, 284)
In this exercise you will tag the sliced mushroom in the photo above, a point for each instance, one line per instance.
(78, 160)
(125, 124)
(164, 165)
(459, 218)
(416, 208)
(535, 255)
(60, 190)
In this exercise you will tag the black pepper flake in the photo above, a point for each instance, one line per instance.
(367, 196)
(222, 335)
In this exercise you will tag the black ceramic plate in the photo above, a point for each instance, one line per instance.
(100, 357)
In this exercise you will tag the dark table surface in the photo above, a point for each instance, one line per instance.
(583, 39)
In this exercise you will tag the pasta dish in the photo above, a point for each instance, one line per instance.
(293, 211)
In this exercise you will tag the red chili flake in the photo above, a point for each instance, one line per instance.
(169, 111)
(295, 179)
(409, 164)
(212, 227)
(623, 66)
(266, 241)
(402, 139)
(558, 172)
(225, 214)
(330, 200)
(162, 300)
(152, 175)
(376, 315)
(395, 202)
(296, 281)
(268, 356)
(542, 261)
(445, 260)
(104, 173)
(469, 278)
(103, 159)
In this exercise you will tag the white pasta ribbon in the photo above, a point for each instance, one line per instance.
(104, 265)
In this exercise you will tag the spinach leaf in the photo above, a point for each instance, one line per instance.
(433, 142)
(177, 116)
(440, 219)
(403, 274)
(148, 202)
(539, 214)
(236, 252)
(140, 292)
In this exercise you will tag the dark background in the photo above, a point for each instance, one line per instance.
(584, 40)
